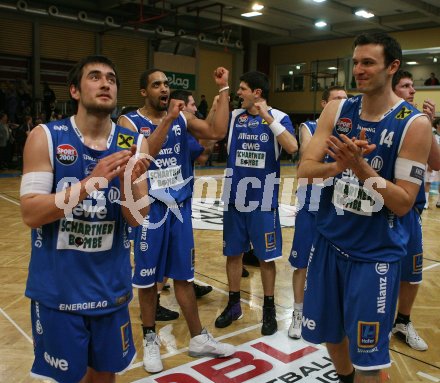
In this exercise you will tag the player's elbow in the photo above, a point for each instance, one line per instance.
(434, 164)
(30, 221)
(291, 148)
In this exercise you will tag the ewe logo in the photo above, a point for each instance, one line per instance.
(66, 154)
(60, 364)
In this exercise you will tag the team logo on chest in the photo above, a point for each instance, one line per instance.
(343, 126)
(145, 130)
(253, 124)
(403, 113)
(66, 154)
(125, 141)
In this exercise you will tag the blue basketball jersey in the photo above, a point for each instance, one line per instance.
(253, 151)
(170, 173)
(352, 217)
(81, 263)
(308, 197)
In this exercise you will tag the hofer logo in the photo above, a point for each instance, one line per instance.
(343, 126)
(60, 364)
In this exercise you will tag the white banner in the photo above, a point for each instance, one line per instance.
(269, 359)
(207, 214)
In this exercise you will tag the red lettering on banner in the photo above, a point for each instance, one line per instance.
(176, 378)
(279, 355)
(245, 359)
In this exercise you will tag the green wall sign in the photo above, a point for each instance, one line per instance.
(181, 80)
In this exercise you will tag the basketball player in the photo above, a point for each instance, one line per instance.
(377, 147)
(305, 226)
(257, 134)
(74, 196)
(164, 245)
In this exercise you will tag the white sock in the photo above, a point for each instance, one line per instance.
(298, 307)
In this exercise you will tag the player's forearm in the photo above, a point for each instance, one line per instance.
(42, 209)
(288, 142)
(157, 138)
(219, 124)
(434, 155)
(135, 213)
(316, 171)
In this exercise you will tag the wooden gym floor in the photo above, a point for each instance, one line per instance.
(16, 351)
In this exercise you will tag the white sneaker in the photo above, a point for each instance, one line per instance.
(152, 361)
(205, 345)
(408, 333)
(295, 327)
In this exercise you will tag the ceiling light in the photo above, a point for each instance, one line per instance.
(332, 68)
(412, 62)
(320, 24)
(364, 13)
(251, 14)
(318, 1)
(434, 59)
(257, 7)
(298, 67)
(291, 72)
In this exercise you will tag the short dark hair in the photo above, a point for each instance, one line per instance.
(436, 122)
(326, 93)
(143, 79)
(257, 80)
(76, 73)
(398, 76)
(391, 47)
(181, 94)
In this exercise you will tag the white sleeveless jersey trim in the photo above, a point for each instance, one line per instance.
(338, 112)
(130, 121)
(139, 143)
(49, 143)
(394, 107)
(184, 119)
(278, 115)
(405, 130)
(305, 126)
(80, 136)
(234, 115)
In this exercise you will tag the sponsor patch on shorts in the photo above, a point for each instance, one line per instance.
(417, 263)
(270, 240)
(125, 336)
(368, 334)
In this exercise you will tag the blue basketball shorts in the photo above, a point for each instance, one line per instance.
(412, 262)
(344, 297)
(261, 228)
(305, 230)
(65, 344)
(164, 245)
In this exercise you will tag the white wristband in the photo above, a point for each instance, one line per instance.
(277, 128)
(224, 88)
